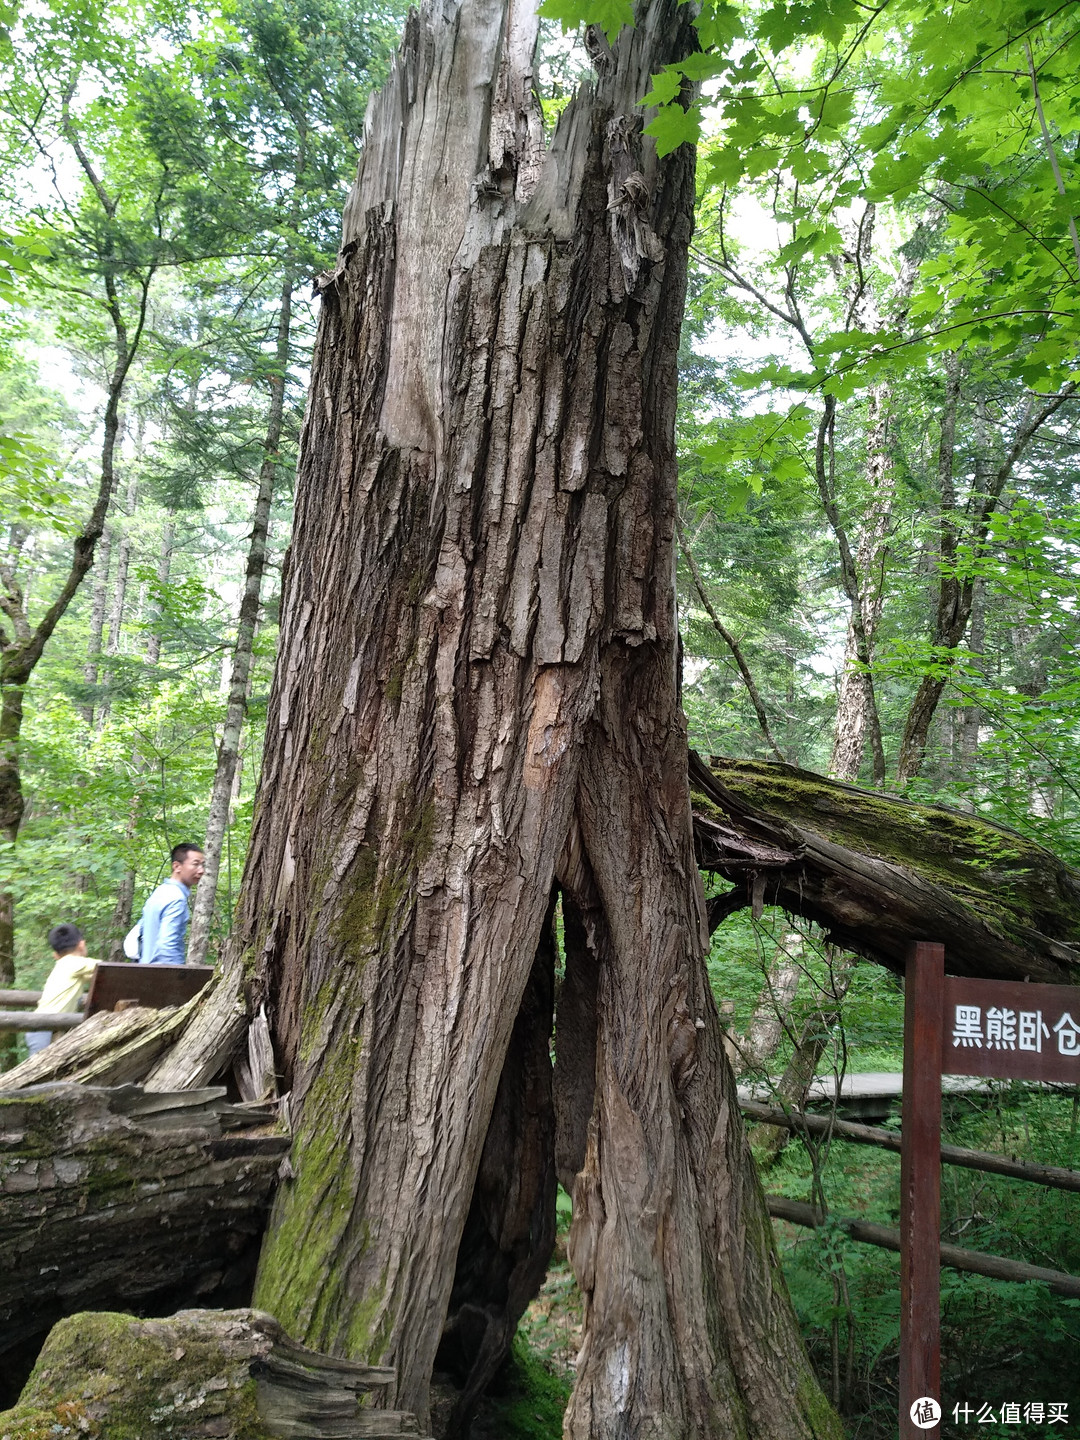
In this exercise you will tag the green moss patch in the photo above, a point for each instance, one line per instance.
(995, 870)
(114, 1377)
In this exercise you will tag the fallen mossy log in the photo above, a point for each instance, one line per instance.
(878, 872)
(121, 1198)
(227, 1374)
(800, 1121)
(953, 1257)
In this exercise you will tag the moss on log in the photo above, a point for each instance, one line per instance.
(878, 871)
(226, 1374)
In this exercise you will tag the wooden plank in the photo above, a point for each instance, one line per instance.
(39, 1020)
(154, 986)
(920, 1183)
(953, 1257)
(983, 1160)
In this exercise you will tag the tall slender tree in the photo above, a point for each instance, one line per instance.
(302, 75)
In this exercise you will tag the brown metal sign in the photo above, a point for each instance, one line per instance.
(1003, 1028)
(1011, 1030)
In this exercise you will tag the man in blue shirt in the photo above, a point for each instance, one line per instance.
(165, 914)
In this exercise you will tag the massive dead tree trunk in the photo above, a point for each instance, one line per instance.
(476, 697)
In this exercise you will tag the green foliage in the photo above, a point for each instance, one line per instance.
(534, 1400)
(172, 173)
(610, 15)
(1000, 1341)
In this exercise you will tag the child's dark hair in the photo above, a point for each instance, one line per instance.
(64, 938)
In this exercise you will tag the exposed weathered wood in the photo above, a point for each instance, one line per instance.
(228, 1374)
(117, 1197)
(207, 1047)
(828, 1125)
(954, 1257)
(109, 1048)
(879, 872)
(255, 1070)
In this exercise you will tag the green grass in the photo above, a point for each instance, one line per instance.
(532, 1407)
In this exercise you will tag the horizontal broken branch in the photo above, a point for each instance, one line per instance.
(991, 1164)
(878, 871)
(973, 1262)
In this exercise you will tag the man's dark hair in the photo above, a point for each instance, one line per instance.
(64, 938)
(179, 853)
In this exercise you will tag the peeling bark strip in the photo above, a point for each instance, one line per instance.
(476, 695)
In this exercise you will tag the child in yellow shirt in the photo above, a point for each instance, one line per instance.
(71, 972)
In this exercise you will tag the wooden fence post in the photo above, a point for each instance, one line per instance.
(920, 1188)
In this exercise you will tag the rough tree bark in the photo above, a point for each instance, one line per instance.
(229, 750)
(856, 706)
(857, 716)
(476, 698)
(168, 540)
(98, 605)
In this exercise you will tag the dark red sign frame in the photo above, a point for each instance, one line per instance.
(1005, 1029)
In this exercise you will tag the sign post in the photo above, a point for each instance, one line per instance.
(920, 1190)
(956, 1026)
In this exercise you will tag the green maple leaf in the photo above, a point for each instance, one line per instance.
(674, 126)
(665, 87)
(611, 15)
